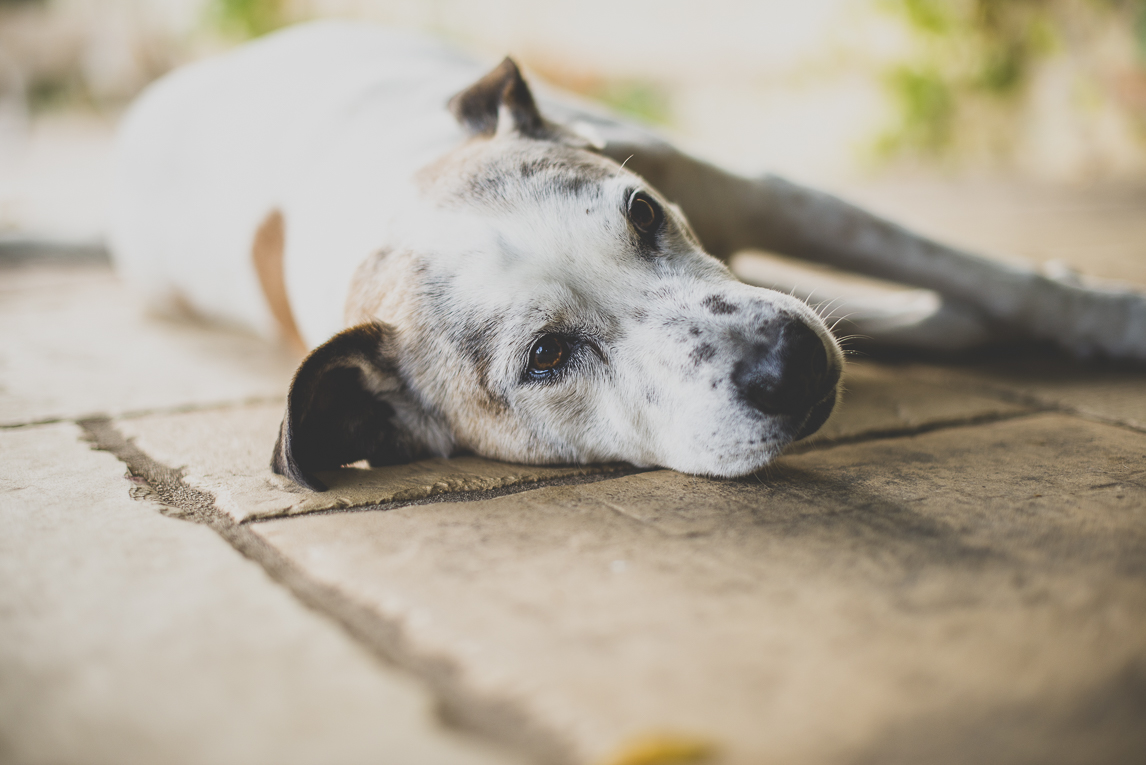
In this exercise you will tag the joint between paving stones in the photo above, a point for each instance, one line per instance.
(915, 430)
(459, 496)
(1040, 405)
(136, 414)
(500, 720)
(34, 423)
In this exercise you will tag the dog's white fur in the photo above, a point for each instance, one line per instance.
(282, 123)
(396, 214)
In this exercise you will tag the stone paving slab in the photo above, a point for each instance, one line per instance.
(129, 637)
(226, 452)
(884, 399)
(1112, 394)
(77, 343)
(966, 595)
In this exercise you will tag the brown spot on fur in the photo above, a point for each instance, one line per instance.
(368, 288)
(267, 254)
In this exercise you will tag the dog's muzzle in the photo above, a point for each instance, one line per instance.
(785, 372)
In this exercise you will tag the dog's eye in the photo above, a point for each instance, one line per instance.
(548, 353)
(644, 213)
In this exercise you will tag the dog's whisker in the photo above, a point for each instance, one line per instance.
(845, 344)
(840, 319)
(825, 309)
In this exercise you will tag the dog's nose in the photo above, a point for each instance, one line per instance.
(785, 371)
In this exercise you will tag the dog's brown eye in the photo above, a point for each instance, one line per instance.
(644, 213)
(548, 353)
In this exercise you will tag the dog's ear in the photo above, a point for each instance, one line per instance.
(500, 101)
(502, 104)
(346, 404)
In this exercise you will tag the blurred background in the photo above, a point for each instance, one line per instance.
(893, 102)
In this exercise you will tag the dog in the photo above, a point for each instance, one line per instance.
(474, 268)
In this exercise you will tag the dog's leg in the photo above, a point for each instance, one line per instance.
(774, 214)
(862, 312)
(731, 213)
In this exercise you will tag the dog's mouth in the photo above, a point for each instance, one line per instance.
(817, 416)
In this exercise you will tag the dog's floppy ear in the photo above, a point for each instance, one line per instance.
(343, 406)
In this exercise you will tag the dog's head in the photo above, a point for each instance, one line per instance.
(542, 304)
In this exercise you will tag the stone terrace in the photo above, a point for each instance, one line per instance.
(953, 571)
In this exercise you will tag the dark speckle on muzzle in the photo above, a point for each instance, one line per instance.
(784, 371)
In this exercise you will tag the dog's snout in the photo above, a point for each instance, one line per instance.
(785, 372)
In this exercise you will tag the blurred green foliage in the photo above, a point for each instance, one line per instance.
(248, 18)
(646, 101)
(1140, 30)
(48, 93)
(976, 55)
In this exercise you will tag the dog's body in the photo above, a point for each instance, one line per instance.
(280, 125)
(514, 290)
